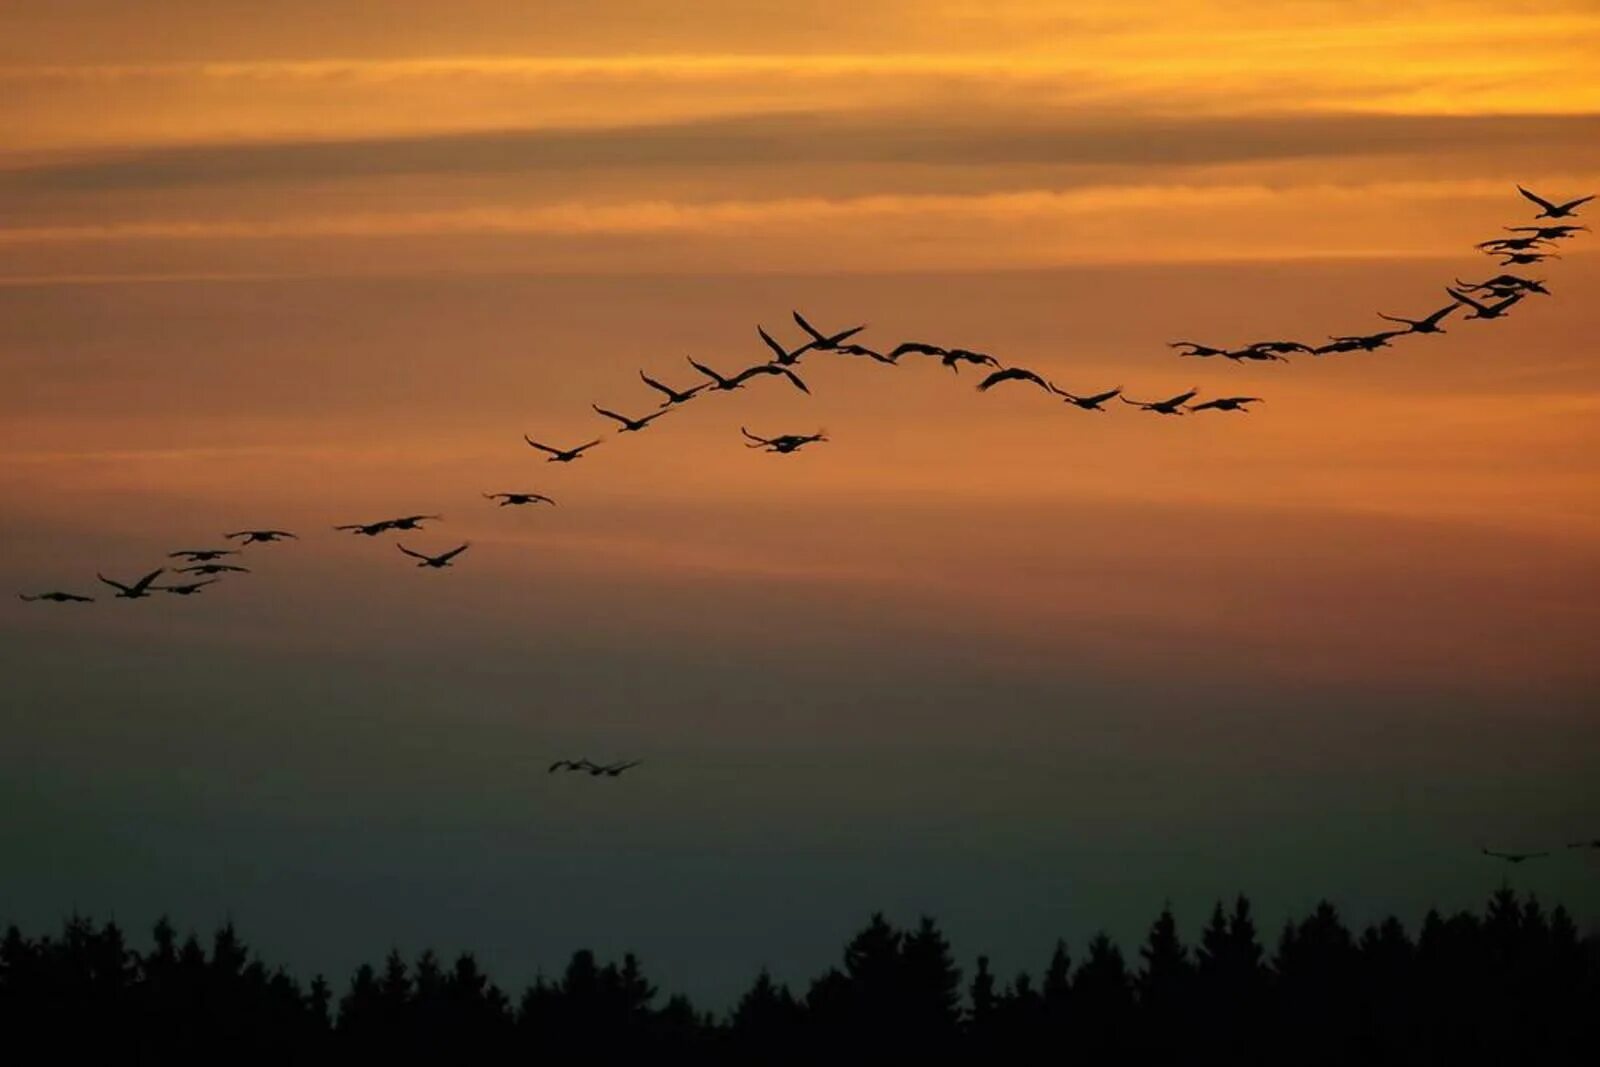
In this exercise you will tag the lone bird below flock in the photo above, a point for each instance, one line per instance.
(1555, 211)
(1015, 374)
(512, 499)
(1227, 403)
(631, 425)
(1170, 406)
(137, 590)
(436, 562)
(56, 596)
(264, 537)
(561, 455)
(783, 444)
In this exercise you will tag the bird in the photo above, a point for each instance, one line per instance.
(950, 357)
(1252, 354)
(1548, 233)
(723, 385)
(1502, 282)
(1170, 406)
(820, 341)
(411, 522)
(863, 350)
(1485, 311)
(1371, 342)
(561, 455)
(435, 562)
(202, 555)
(189, 589)
(137, 590)
(369, 529)
(1014, 374)
(614, 769)
(264, 537)
(57, 596)
(1347, 345)
(1197, 349)
(1279, 347)
(1228, 403)
(1523, 259)
(213, 568)
(673, 396)
(1516, 244)
(785, 443)
(1430, 324)
(1091, 403)
(569, 765)
(1513, 857)
(631, 424)
(782, 356)
(509, 499)
(1555, 211)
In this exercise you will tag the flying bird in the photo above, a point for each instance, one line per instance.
(58, 597)
(369, 529)
(190, 589)
(435, 562)
(1227, 403)
(1430, 324)
(782, 356)
(137, 590)
(1250, 353)
(1523, 259)
(561, 455)
(202, 555)
(785, 443)
(723, 385)
(1091, 403)
(950, 357)
(510, 499)
(673, 396)
(615, 769)
(1014, 374)
(1170, 406)
(264, 537)
(411, 522)
(1506, 283)
(213, 568)
(569, 765)
(1547, 233)
(1278, 347)
(1515, 244)
(1513, 857)
(1555, 211)
(1197, 349)
(820, 341)
(1349, 345)
(1485, 311)
(1370, 342)
(631, 425)
(863, 350)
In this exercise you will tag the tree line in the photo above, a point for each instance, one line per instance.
(1516, 984)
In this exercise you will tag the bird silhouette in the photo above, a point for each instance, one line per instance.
(1548, 233)
(202, 555)
(1250, 353)
(950, 357)
(1197, 349)
(1170, 406)
(1504, 282)
(863, 350)
(1370, 342)
(1523, 259)
(412, 522)
(1227, 403)
(57, 596)
(189, 589)
(782, 356)
(1349, 345)
(1555, 211)
(822, 342)
(1515, 244)
(1430, 324)
(1513, 857)
(561, 455)
(1014, 374)
(137, 590)
(673, 396)
(785, 443)
(1278, 347)
(721, 384)
(213, 568)
(631, 425)
(435, 562)
(1485, 311)
(264, 537)
(369, 529)
(569, 765)
(614, 769)
(1091, 403)
(512, 499)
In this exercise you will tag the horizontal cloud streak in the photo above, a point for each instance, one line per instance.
(974, 141)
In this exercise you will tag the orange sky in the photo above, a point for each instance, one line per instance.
(297, 264)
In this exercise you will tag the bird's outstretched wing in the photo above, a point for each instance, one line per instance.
(144, 583)
(1463, 298)
(454, 552)
(1537, 199)
(652, 383)
(541, 448)
(916, 348)
(1570, 204)
(413, 555)
(778, 350)
(759, 440)
(703, 369)
(584, 447)
(611, 414)
(800, 320)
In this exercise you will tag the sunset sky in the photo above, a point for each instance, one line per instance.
(1029, 669)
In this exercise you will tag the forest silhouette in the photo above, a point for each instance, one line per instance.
(1517, 984)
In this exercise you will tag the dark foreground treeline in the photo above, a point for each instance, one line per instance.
(1515, 985)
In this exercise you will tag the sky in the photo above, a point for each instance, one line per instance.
(1032, 670)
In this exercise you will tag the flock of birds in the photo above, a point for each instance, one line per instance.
(1491, 298)
(1523, 857)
